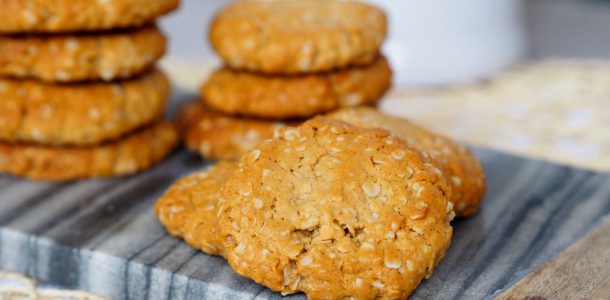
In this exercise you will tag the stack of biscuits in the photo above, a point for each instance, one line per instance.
(80, 93)
(284, 62)
(351, 204)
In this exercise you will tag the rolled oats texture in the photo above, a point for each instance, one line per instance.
(308, 211)
(78, 57)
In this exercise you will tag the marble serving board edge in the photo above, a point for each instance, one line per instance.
(582, 271)
(131, 257)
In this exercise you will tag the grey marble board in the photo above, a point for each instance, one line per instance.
(102, 235)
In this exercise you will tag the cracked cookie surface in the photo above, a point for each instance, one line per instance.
(130, 154)
(28, 16)
(464, 172)
(218, 136)
(81, 114)
(336, 211)
(290, 37)
(189, 208)
(280, 97)
(81, 57)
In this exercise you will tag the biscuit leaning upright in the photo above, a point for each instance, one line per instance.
(81, 95)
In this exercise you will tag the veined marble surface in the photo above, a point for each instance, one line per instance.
(102, 235)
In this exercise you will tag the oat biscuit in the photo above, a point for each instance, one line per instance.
(189, 208)
(130, 154)
(19, 16)
(81, 114)
(81, 57)
(280, 97)
(218, 136)
(336, 211)
(463, 171)
(290, 37)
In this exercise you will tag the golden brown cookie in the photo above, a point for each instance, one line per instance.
(218, 136)
(189, 208)
(290, 37)
(463, 171)
(280, 97)
(130, 154)
(24, 16)
(80, 57)
(336, 211)
(80, 114)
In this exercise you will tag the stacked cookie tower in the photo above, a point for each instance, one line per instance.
(285, 61)
(80, 94)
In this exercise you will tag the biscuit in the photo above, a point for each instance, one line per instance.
(336, 211)
(189, 208)
(130, 154)
(463, 171)
(81, 114)
(219, 136)
(25, 16)
(290, 37)
(278, 97)
(80, 57)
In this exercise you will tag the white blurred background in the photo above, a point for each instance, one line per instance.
(448, 41)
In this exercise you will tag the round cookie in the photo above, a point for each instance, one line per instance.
(81, 57)
(81, 114)
(27, 16)
(189, 208)
(463, 171)
(219, 136)
(336, 211)
(290, 37)
(280, 97)
(130, 154)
